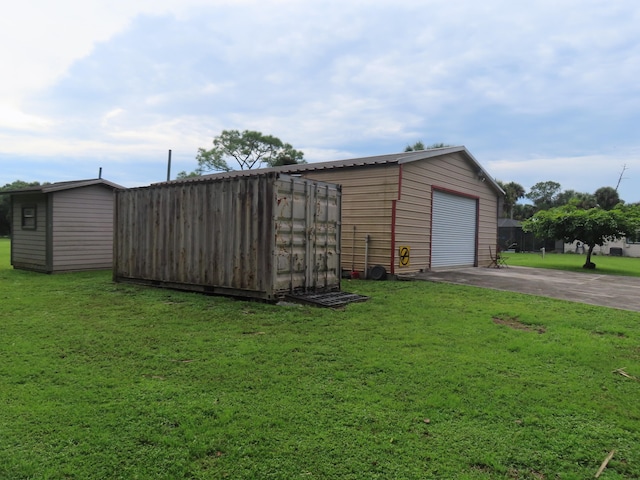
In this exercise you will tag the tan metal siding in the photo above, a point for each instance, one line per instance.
(29, 247)
(367, 203)
(413, 214)
(82, 231)
(450, 172)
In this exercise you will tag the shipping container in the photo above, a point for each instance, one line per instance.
(261, 236)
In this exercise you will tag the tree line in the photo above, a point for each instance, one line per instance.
(590, 218)
(549, 194)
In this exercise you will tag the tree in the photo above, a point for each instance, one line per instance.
(513, 192)
(5, 204)
(579, 199)
(607, 197)
(420, 146)
(184, 174)
(522, 211)
(583, 200)
(544, 194)
(565, 197)
(592, 227)
(415, 147)
(287, 156)
(249, 149)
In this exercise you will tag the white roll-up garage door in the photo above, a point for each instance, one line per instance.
(453, 230)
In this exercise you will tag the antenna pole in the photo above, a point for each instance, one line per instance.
(624, 167)
(169, 167)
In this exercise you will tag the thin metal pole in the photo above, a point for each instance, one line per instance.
(169, 167)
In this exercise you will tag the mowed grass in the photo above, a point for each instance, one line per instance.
(424, 381)
(605, 264)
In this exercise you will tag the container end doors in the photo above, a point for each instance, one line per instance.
(307, 245)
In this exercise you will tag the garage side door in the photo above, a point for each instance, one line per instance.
(454, 230)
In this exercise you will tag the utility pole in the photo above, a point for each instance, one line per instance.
(624, 167)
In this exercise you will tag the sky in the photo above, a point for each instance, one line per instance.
(536, 91)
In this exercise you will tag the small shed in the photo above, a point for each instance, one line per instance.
(512, 237)
(411, 211)
(62, 227)
(263, 236)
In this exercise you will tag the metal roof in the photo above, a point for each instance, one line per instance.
(379, 160)
(508, 222)
(58, 186)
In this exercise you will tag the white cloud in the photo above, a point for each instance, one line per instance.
(546, 85)
(12, 118)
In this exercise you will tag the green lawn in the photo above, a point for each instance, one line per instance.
(424, 381)
(573, 262)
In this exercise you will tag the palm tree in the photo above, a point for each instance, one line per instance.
(513, 192)
(607, 197)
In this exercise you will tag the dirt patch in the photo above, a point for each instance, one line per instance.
(513, 322)
(516, 475)
(615, 334)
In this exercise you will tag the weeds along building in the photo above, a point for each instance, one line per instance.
(407, 212)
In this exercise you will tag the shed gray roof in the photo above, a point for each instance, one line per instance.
(508, 222)
(393, 158)
(58, 186)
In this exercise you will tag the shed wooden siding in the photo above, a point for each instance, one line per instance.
(367, 203)
(29, 247)
(413, 212)
(82, 228)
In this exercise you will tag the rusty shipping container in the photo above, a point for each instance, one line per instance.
(260, 236)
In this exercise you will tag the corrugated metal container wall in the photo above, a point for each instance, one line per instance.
(258, 236)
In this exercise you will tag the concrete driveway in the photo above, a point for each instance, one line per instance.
(591, 288)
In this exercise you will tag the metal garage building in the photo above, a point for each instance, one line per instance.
(410, 211)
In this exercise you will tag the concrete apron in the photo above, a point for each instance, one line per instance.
(590, 288)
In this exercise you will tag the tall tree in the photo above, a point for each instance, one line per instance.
(415, 147)
(592, 227)
(513, 192)
(184, 174)
(584, 200)
(287, 156)
(607, 197)
(564, 197)
(579, 199)
(544, 194)
(420, 146)
(248, 149)
(522, 211)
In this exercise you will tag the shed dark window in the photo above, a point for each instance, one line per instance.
(29, 217)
